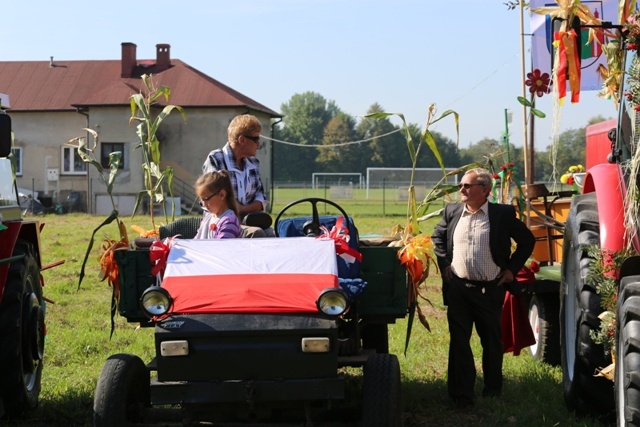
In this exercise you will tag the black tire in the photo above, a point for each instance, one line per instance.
(580, 306)
(21, 334)
(627, 373)
(122, 392)
(544, 318)
(376, 336)
(381, 392)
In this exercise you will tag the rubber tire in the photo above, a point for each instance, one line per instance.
(375, 336)
(122, 392)
(627, 373)
(544, 318)
(21, 334)
(584, 393)
(381, 392)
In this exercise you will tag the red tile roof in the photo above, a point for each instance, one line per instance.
(65, 85)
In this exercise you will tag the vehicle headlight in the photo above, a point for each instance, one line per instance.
(155, 301)
(333, 302)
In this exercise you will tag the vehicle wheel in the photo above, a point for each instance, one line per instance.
(381, 393)
(21, 334)
(579, 310)
(544, 312)
(122, 392)
(627, 373)
(376, 336)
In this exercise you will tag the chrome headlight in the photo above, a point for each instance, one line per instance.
(155, 301)
(333, 302)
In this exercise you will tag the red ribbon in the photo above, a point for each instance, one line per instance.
(340, 235)
(569, 64)
(158, 254)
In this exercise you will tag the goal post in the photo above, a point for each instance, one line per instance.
(401, 177)
(336, 178)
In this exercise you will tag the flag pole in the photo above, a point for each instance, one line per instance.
(525, 145)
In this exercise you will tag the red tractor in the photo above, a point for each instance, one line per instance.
(22, 306)
(605, 217)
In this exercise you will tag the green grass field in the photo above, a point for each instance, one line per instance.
(78, 342)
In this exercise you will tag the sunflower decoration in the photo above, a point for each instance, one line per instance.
(538, 82)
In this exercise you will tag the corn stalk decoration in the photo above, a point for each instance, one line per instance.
(108, 268)
(155, 180)
(416, 251)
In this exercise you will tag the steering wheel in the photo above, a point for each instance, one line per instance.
(312, 227)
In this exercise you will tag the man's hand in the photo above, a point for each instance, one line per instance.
(506, 276)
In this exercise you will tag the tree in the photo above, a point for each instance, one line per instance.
(305, 117)
(388, 150)
(345, 158)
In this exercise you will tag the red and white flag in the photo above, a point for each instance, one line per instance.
(250, 275)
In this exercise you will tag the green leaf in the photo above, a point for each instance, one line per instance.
(524, 101)
(114, 164)
(538, 113)
(108, 220)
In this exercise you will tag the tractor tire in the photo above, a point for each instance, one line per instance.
(584, 393)
(381, 392)
(544, 317)
(21, 334)
(122, 392)
(627, 372)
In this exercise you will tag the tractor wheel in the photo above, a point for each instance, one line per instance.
(627, 372)
(544, 312)
(381, 394)
(122, 392)
(579, 310)
(21, 334)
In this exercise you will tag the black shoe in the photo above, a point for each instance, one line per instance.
(491, 393)
(462, 402)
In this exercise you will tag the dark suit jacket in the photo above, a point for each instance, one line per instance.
(504, 226)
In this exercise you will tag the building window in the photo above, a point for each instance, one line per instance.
(72, 163)
(17, 159)
(107, 148)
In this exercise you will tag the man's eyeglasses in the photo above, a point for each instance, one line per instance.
(255, 139)
(467, 186)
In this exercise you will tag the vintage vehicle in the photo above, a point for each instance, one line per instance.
(255, 329)
(22, 305)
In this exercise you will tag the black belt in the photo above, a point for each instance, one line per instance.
(480, 283)
(476, 283)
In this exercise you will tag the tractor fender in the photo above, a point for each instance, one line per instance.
(605, 180)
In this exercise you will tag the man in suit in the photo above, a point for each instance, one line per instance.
(473, 244)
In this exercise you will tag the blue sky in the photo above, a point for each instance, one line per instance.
(402, 54)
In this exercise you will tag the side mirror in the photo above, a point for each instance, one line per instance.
(5, 134)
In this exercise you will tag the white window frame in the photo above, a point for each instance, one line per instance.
(71, 170)
(19, 156)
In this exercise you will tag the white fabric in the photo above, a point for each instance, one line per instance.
(251, 256)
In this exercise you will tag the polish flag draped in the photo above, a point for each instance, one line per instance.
(250, 275)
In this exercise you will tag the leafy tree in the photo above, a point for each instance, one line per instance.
(305, 117)
(345, 158)
(386, 151)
